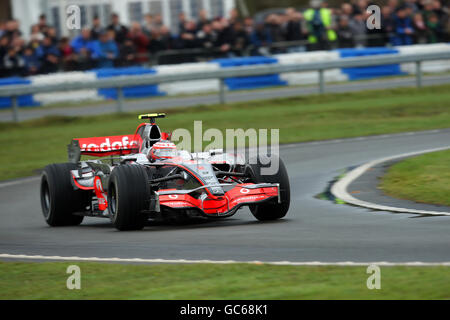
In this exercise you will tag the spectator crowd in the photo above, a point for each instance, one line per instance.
(316, 28)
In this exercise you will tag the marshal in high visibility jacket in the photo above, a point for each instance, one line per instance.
(325, 19)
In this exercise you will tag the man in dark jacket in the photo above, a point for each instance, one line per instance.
(345, 34)
(119, 29)
(13, 63)
(403, 28)
(48, 54)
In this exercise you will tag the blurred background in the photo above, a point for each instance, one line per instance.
(34, 38)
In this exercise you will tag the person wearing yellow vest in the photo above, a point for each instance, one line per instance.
(320, 25)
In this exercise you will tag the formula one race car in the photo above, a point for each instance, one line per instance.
(145, 177)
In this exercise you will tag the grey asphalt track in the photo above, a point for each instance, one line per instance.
(314, 230)
(233, 96)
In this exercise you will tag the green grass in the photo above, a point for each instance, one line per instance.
(30, 145)
(215, 281)
(424, 178)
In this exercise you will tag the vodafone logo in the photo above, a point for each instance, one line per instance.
(173, 196)
(103, 144)
(245, 191)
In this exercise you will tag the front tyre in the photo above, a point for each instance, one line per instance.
(128, 194)
(59, 200)
(271, 210)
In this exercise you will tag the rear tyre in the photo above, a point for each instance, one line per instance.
(59, 200)
(128, 193)
(271, 210)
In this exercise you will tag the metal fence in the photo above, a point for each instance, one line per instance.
(121, 82)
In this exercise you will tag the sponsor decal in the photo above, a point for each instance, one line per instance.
(249, 199)
(99, 192)
(176, 204)
(105, 144)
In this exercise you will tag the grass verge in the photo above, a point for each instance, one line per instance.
(424, 178)
(20, 280)
(30, 145)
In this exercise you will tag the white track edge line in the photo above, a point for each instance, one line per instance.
(187, 261)
(339, 189)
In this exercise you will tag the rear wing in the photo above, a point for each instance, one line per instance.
(103, 146)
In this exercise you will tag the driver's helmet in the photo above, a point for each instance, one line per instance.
(162, 150)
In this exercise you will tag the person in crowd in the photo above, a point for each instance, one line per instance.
(31, 61)
(12, 29)
(157, 21)
(240, 39)
(147, 26)
(187, 38)
(249, 25)
(387, 24)
(48, 55)
(2, 28)
(161, 40)
(128, 54)
(82, 47)
(273, 24)
(202, 19)
(52, 34)
(181, 22)
(224, 35)
(96, 28)
(140, 41)
(83, 42)
(359, 29)
(206, 37)
(361, 6)
(434, 26)
(119, 29)
(42, 24)
(421, 32)
(412, 5)
(347, 10)
(68, 57)
(294, 26)
(105, 50)
(345, 33)
(4, 45)
(393, 5)
(36, 33)
(13, 63)
(260, 39)
(403, 28)
(320, 25)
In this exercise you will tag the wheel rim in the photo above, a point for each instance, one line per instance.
(45, 198)
(112, 205)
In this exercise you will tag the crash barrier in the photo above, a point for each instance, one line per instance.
(23, 100)
(128, 92)
(226, 74)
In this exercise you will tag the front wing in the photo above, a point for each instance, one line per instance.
(226, 205)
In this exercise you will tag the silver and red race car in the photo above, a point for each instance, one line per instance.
(143, 176)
